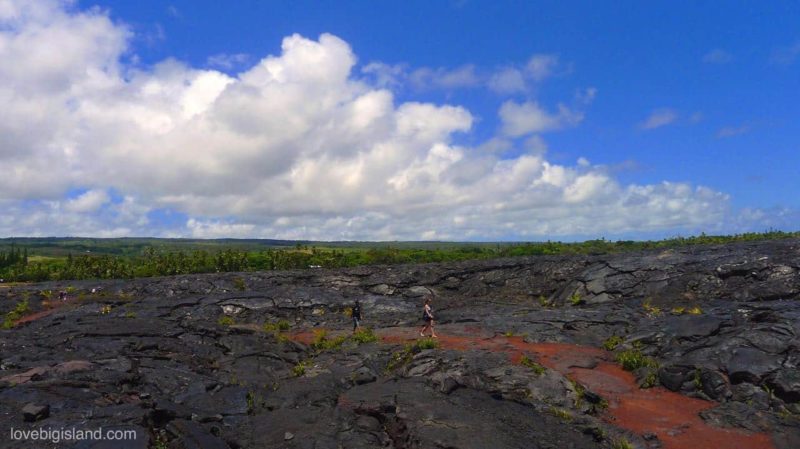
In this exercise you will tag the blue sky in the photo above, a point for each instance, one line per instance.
(532, 120)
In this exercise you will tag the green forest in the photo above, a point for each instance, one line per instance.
(43, 259)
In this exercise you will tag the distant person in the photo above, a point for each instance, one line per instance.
(427, 316)
(356, 316)
(62, 295)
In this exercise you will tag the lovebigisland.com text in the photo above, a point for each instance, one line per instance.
(72, 434)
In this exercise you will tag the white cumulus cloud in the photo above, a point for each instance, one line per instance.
(529, 117)
(296, 145)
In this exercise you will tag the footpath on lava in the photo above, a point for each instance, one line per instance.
(660, 414)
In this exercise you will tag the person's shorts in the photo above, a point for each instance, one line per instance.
(356, 322)
(427, 319)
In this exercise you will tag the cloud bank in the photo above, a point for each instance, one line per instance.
(299, 145)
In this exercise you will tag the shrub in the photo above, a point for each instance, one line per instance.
(225, 321)
(239, 284)
(576, 299)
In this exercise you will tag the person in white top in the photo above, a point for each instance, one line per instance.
(427, 316)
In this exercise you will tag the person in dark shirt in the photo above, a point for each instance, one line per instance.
(356, 316)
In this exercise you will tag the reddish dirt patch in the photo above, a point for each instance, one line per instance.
(674, 418)
(34, 316)
(47, 308)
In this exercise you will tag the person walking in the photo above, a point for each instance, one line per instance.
(427, 316)
(356, 316)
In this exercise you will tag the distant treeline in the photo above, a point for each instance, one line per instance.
(16, 266)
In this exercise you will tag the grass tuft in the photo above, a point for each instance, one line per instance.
(576, 299)
(621, 443)
(633, 359)
(612, 342)
(538, 369)
(364, 335)
(226, 321)
(299, 369)
(405, 355)
(11, 317)
(560, 413)
(650, 310)
(322, 343)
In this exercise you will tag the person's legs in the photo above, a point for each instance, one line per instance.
(433, 334)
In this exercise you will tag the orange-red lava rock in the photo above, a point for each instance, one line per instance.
(672, 417)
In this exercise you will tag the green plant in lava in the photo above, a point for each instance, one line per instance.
(225, 320)
(696, 310)
(239, 284)
(279, 326)
(580, 392)
(364, 335)
(323, 343)
(253, 400)
(560, 413)
(403, 356)
(160, 442)
(526, 362)
(576, 299)
(650, 379)
(697, 380)
(612, 342)
(621, 443)
(650, 310)
(18, 312)
(299, 369)
(633, 359)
